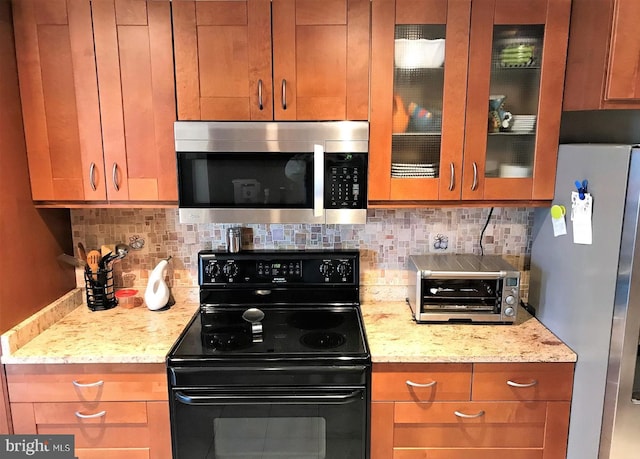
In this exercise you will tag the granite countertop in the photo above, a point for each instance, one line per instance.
(68, 332)
(394, 337)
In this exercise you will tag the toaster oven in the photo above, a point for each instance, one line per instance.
(463, 288)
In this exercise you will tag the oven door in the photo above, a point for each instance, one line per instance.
(282, 422)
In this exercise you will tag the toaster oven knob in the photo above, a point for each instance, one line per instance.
(510, 300)
(509, 312)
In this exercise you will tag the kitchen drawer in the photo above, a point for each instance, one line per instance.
(125, 436)
(466, 453)
(105, 432)
(502, 425)
(425, 382)
(522, 381)
(86, 383)
(84, 414)
(116, 453)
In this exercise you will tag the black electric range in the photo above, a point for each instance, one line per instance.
(275, 306)
(275, 363)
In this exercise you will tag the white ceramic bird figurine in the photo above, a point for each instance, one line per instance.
(157, 294)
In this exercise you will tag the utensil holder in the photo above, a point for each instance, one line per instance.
(99, 289)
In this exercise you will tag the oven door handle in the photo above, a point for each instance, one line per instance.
(269, 399)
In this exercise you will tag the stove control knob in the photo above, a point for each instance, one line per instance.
(212, 270)
(510, 300)
(326, 268)
(230, 269)
(509, 312)
(344, 269)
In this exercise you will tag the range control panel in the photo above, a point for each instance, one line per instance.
(290, 267)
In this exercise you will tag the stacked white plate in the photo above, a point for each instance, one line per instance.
(414, 170)
(523, 123)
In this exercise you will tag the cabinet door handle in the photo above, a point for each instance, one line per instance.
(469, 416)
(474, 185)
(93, 384)
(452, 180)
(284, 94)
(92, 176)
(415, 384)
(114, 175)
(99, 414)
(260, 106)
(516, 384)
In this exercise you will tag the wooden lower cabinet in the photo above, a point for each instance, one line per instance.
(113, 411)
(510, 411)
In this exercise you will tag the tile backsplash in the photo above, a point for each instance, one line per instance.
(385, 242)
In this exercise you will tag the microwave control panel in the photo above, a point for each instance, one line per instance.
(345, 181)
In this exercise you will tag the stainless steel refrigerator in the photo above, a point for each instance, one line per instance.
(589, 296)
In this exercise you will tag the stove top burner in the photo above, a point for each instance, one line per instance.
(223, 334)
(323, 339)
(315, 320)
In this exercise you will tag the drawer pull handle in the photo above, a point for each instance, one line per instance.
(515, 384)
(469, 416)
(99, 414)
(415, 384)
(93, 384)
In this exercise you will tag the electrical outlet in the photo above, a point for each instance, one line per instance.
(442, 242)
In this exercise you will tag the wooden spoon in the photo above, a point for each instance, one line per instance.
(93, 259)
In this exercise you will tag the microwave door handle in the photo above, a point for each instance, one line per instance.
(318, 180)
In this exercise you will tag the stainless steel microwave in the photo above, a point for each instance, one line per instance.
(463, 288)
(272, 172)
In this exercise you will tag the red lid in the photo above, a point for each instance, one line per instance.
(126, 293)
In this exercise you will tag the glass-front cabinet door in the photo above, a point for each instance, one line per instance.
(466, 99)
(420, 53)
(516, 68)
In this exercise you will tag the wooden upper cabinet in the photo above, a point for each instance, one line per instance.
(433, 136)
(98, 98)
(417, 158)
(518, 163)
(603, 61)
(59, 93)
(223, 60)
(134, 58)
(227, 51)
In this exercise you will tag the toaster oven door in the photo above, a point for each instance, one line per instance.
(460, 300)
